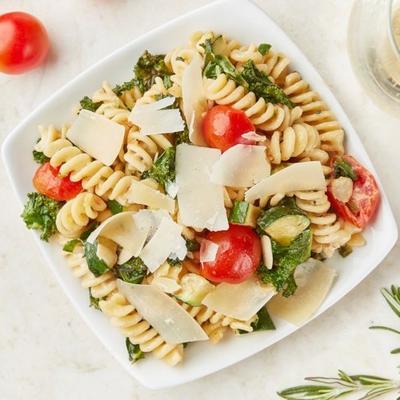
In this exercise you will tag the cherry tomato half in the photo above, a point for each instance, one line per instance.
(364, 200)
(223, 127)
(238, 255)
(47, 181)
(24, 42)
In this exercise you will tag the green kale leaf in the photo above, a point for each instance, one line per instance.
(40, 213)
(134, 351)
(71, 244)
(88, 104)
(123, 87)
(262, 323)
(149, 67)
(133, 271)
(163, 169)
(182, 137)
(264, 48)
(90, 228)
(96, 265)
(343, 168)
(259, 83)
(39, 157)
(94, 301)
(115, 207)
(286, 259)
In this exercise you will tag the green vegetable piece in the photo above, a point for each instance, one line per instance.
(96, 265)
(286, 259)
(90, 228)
(94, 301)
(284, 230)
(263, 321)
(40, 213)
(174, 262)
(283, 222)
(182, 137)
(264, 48)
(133, 271)
(167, 81)
(192, 245)
(345, 250)
(115, 207)
(39, 157)
(71, 244)
(193, 289)
(125, 86)
(134, 352)
(149, 67)
(244, 213)
(343, 168)
(219, 46)
(259, 83)
(88, 104)
(163, 169)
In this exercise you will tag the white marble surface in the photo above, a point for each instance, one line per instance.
(47, 352)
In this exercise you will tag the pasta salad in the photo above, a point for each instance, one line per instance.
(202, 196)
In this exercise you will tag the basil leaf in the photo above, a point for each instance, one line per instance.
(90, 228)
(93, 301)
(134, 351)
(71, 244)
(133, 271)
(343, 168)
(115, 207)
(88, 104)
(264, 48)
(96, 265)
(39, 157)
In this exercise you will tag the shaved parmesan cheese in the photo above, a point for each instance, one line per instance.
(166, 240)
(208, 250)
(167, 285)
(241, 166)
(267, 251)
(254, 136)
(96, 135)
(240, 301)
(314, 280)
(172, 189)
(201, 202)
(194, 99)
(300, 176)
(127, 229)
(165, 315)
(155, 106)
(140, 193)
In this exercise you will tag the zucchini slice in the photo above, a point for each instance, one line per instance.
(285, 229)
(193, 289)
(244, 213)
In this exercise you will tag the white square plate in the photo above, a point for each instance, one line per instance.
(241, 20)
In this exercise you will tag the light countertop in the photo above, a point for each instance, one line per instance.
(46, 350)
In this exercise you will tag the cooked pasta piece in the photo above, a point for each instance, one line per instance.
(139, 331)
(76, 214)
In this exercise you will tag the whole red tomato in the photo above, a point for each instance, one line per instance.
(223, 127)
(24, 42)
(238, 255)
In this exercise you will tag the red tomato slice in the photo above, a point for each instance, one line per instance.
(364, 201)
(238, 255)
(24, 42)
(223, 127)
(47, 181)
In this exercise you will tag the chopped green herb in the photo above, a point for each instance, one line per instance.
(129, 85)
(343, 168)
(40, 213)
(149, 67)
(163, 169)
(175, 262)
(286, 259)
(115, 207)
(39, 157)
(96, 265)
(192, 245)
(182, 137)
(239, 212)
(71, 244)
(133, 271)
(167, 81)
(259, 83)
(88, 104)
(345, 250)
(90, 228)
(94, 301)
(264, 48)
(134, 352)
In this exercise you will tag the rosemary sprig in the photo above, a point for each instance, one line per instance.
(368, 386)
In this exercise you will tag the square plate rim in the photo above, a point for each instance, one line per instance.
(8, 144)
